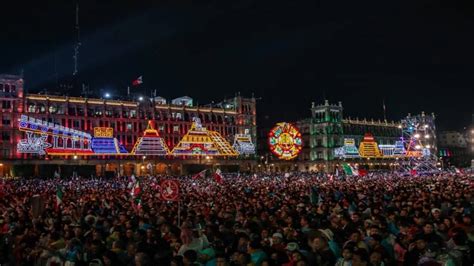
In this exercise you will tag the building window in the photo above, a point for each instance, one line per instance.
(76, 124)
(80, 111)
(6, 105)
(175, 129)
(6, 88)
(5, 136)
(133, 113)
(129, 126)
(6, 121)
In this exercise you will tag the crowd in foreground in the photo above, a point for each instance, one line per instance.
(292, 220)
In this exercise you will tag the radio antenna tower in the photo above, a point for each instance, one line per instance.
(78, 41)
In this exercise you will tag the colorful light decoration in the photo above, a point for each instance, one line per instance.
(285, 141)
(55, 139)
(151, 143)
(199, 141)
(104, 143)
(33, 144)
(368, 147)
(243, 143)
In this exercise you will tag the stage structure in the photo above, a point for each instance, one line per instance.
(151, 143)
(243, 143)
(199, 141)
(419, 139)
(285, 141)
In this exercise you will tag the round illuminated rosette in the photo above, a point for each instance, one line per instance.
(285, 141)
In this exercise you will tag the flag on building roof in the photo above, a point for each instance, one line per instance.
(138, 81)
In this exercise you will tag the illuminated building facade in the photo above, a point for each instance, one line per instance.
(329, 136)
(127, 119)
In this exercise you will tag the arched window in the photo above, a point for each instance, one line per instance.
(31, 108)
(41, 108)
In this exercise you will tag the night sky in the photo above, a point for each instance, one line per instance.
(417, 56)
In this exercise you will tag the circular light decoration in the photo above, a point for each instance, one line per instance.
(285, 141)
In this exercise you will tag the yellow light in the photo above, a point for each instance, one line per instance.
(417, 147)
(75, 157)
(428, 146)
(417, 135)
(142, 167)
(427, 136)
(207, 157)
(144, 157)
(1, 164)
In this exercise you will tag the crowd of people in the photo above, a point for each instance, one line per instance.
(294, 219)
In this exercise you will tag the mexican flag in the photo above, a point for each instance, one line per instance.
(136, 194)
(59, 196)
(349, 170)
(138, 81)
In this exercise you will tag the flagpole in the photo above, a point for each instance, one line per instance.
(384, 111)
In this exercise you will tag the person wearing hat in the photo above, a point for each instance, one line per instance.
(277, 242)
(207, 256)
(320, 253)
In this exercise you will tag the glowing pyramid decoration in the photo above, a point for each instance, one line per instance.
(199, 141)
(151, 143)
(368, 147)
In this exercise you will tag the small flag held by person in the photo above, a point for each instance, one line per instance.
(201, 174)
(59, 196)
(218, 176)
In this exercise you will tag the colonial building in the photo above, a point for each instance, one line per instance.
(128, 119)
(328, 133)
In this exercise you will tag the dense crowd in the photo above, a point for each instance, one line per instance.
(295, 219)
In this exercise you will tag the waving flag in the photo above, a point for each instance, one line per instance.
(138, 81)
(201, 174)
(218, 176)
(59, 196)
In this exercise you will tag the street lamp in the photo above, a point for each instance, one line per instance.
(107, 95)
(140, 98)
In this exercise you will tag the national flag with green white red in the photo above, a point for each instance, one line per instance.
(136, 194)
(350, 170)
(59, 196)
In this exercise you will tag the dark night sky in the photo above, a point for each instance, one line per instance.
(417, 55)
